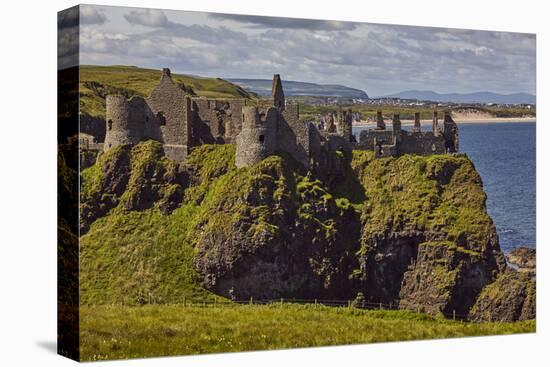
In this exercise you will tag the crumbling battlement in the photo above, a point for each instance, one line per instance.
(181, 122)
(395, 142)
(172, 117)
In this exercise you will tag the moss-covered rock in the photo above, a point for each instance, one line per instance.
(427, 240)
(511, 297)
(129, 178)
(266, 231)
(412, 231)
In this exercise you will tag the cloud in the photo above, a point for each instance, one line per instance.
(380, 59)
(147, 17)
(90, 14)
(293, 23)
(67, 38)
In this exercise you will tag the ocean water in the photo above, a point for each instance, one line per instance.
(505, 156)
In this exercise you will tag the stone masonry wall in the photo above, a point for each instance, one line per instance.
(125, 121)
(258, 138)
(170, 106)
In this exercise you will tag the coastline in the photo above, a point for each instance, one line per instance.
(492, 120)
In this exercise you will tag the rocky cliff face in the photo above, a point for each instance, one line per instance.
(411, 231)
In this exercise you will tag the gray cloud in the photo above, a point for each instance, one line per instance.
(147, 17)
(90, 14)
(380, 59)
(67, 38)
(292, 23)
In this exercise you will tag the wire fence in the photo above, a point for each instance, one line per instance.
(357, 304)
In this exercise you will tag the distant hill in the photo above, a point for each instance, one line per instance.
(262, 87)
(477, 97)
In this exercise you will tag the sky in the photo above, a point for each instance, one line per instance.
(380, 59)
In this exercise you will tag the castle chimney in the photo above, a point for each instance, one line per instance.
(448, 117)
(435, 128)
(380, 124)
(417, 127)
(166, 74)
(396, 122)
(277, 92)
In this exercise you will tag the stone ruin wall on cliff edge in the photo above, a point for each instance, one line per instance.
(180, 121)
(397, 141)
(172, 117)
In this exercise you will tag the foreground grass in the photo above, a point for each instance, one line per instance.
(116, 332)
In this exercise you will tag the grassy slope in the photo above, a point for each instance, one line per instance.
(136, 257)
(128, 257)
(126, 332)
(139, 81)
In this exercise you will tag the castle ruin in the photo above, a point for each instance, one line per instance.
(396, 142)
(271, 125)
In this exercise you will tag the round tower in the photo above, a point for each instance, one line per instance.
(122, 119)
(256, 140)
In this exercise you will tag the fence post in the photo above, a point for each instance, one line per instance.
(251, 300)
(454, 315)
(282, 300)
(380, 305)
(349, 303)
(315, 301)
(215, 301)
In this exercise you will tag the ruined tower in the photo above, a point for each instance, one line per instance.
(330, 126)
(380, 124)
(344, 123)
(396, 124)
(277, 92)
(417, 127)
(450, 133)
(435, 124)
(124, 120)
(257, 139)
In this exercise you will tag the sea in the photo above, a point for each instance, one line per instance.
(504, 154)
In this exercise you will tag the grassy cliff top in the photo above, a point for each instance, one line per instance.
(128, 255)
(96, 81)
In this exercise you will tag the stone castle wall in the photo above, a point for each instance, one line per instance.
(168, 117)
(395, 142)
(293, 135)
(179, 121)
(172, 117)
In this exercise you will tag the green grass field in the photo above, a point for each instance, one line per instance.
(308, 111)
(117, 332)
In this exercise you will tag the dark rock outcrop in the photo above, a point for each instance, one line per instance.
(511, 297)
(129, 178)
(273, 235)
